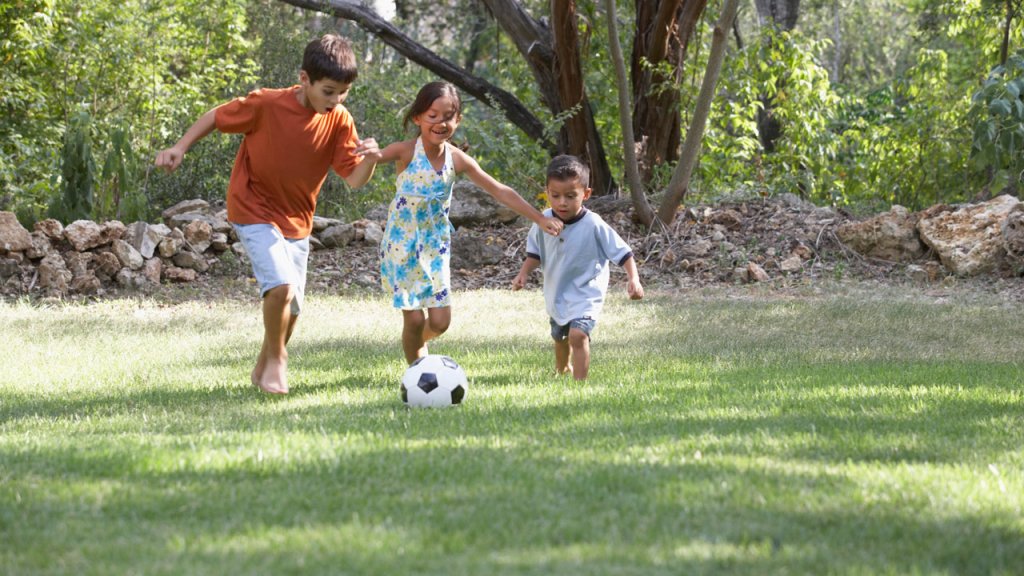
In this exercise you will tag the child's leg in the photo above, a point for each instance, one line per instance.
(579, 344)
(438, 320)
(422, 326)
(278, 322)
(562, 357)
(279, 265)
(413, 322)
(261, 360)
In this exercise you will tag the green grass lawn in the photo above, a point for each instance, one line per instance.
(856, 433)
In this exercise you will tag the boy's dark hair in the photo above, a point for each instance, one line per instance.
(426, 97)
(330, 56)
(566, 168)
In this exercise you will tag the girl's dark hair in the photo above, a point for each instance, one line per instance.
(426, 97)
(330, 56)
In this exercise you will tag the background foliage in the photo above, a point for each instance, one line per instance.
(880, 101)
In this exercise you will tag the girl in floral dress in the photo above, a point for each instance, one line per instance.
(416, 249)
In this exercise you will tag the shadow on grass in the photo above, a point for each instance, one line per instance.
(524, 510)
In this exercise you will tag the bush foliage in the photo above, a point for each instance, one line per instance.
(93, 89)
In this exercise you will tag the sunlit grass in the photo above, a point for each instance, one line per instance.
(733, 434)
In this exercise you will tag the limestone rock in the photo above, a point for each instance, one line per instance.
(180, 275)
(127, 255)
(13, 236)
(54, 274)
(152, 269)
(198, 234)
(472, 205)
(53, 229)
(891, 236)
(756, 273)
(338, 235)
(969, 240)
(84, 235)
(184, 207)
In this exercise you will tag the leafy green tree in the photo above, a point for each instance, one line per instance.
(998, 117)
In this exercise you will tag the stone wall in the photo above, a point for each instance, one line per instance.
(87, 257)
(192, 239)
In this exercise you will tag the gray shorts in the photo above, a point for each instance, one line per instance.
(276, 260)
(585, 325)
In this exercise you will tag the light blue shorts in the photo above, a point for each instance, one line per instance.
(276, 260)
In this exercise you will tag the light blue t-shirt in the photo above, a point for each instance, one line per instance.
(575, 265)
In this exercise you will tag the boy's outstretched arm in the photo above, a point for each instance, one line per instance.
(171, 158)
(529, 265)
(633, 288)
(363, 171)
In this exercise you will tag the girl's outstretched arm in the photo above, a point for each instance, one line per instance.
(398, 152)
(464, 163)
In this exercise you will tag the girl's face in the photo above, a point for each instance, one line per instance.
(438, 123)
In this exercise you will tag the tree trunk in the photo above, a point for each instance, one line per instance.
(367, 19)
(680, 183)
(780, 14)
(664, 29)
(837, 41)
(553, 57)
(1004, 48)
(641, 207)
(573, 105)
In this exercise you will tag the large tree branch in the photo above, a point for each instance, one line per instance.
(368, 19)
(533, 41)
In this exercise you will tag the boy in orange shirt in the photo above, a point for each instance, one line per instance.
(292, 136)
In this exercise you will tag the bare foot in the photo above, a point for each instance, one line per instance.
(257, 371)
(275, 377)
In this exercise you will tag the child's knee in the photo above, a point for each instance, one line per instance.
(439, 325)
(282, 294)
(578, 338)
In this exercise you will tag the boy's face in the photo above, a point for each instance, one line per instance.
(566, 197)
(323, 95)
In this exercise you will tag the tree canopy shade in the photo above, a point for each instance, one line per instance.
(552, 54)
(372, 22)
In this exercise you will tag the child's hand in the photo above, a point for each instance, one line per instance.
(552, 226)
(519, 282)
(634, 289)
(368, 149)
(170, 158)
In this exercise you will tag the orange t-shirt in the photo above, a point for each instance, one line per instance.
(284, 157)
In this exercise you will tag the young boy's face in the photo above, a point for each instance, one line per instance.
(323, 95)
(566, 197)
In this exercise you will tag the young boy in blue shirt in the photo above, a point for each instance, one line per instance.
(575, 265)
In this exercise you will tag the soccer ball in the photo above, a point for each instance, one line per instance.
(434, 381)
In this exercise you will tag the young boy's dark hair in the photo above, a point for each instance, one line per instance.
(566, 168)
(330, 57)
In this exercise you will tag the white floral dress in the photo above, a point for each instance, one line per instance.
(416, 249)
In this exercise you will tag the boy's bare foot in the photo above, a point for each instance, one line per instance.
(257, 371)
(275, 377)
